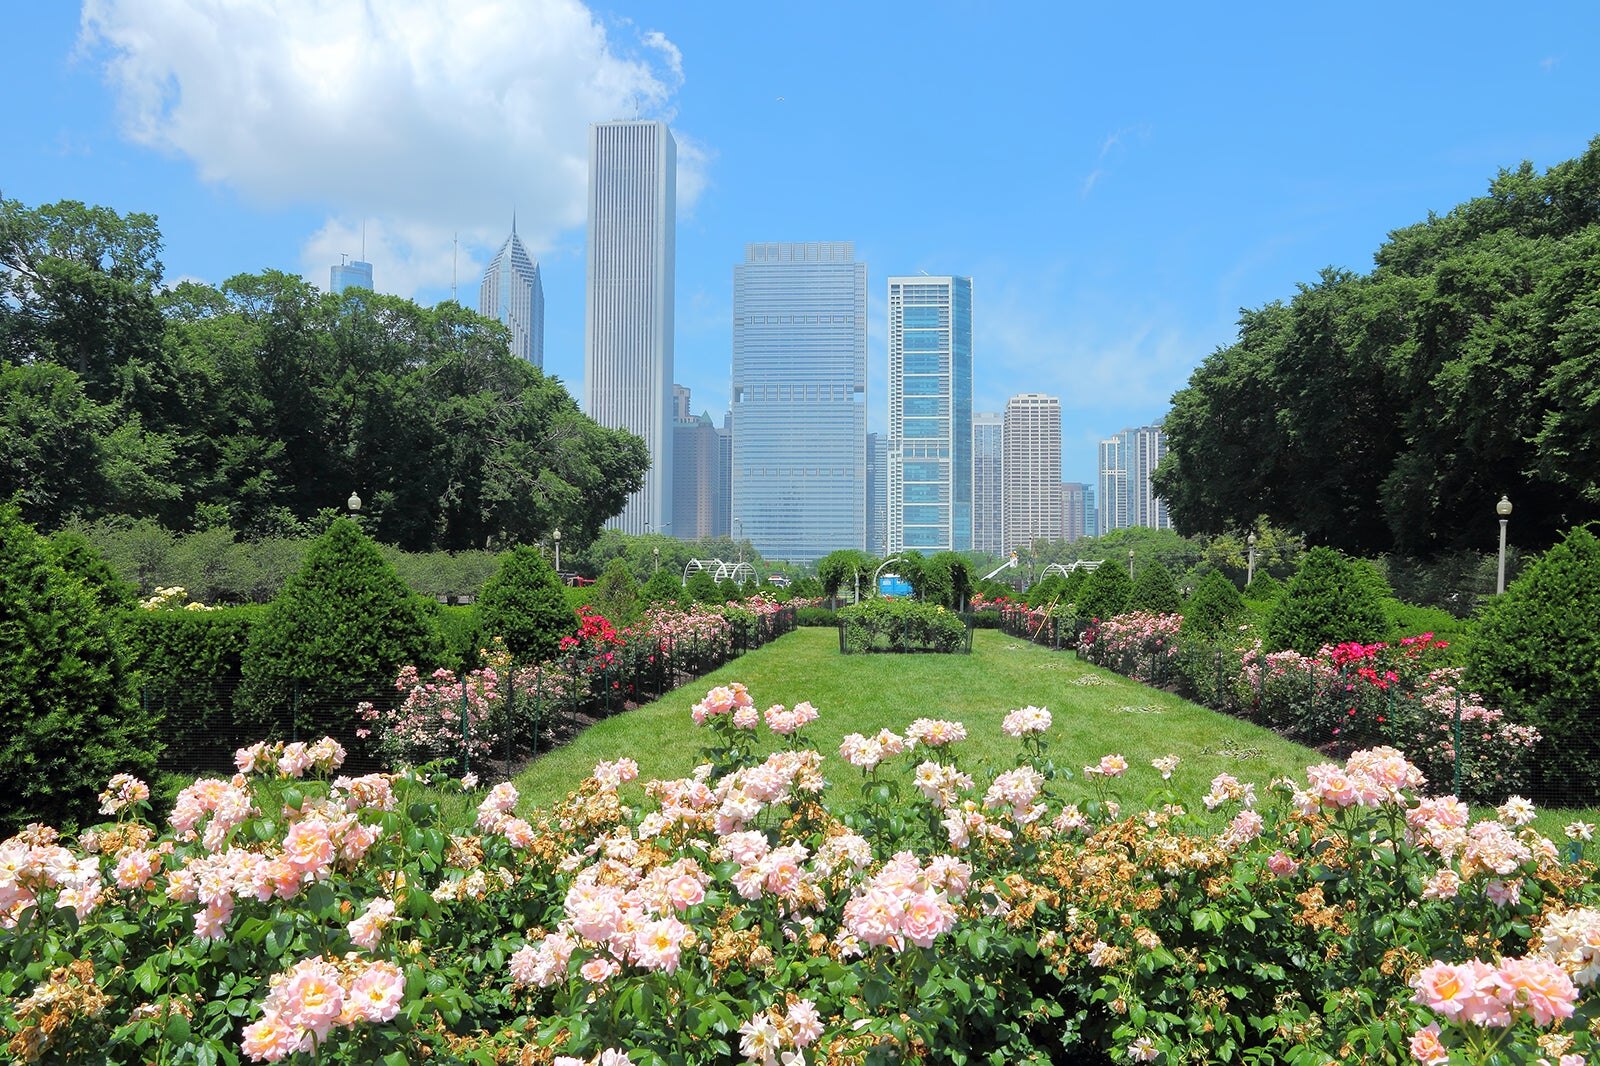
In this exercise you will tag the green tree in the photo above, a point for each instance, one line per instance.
(1329, 601)
(664, 586)
(70, 718)
(1105, 592)
(616, 593)
(525, 605)
(1536, 651)
(702, 587)
(840, 570)
(336, 635)
(1154, 590)
(1215, 605)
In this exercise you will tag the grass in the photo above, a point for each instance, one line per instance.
(1095, 712)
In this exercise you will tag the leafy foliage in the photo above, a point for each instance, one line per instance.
(1537, 648)
(616, 593)
(525, 605)
(1154, 592)
(1214, 605)
(77, 556)
(1387, 412)
(337, 633)
(890, 624)
(664, 586)
(68, 713)
(1105, 592)
(1331, 600)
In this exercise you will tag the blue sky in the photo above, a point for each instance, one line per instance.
(1118, 180)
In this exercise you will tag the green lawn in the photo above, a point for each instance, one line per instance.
(1095, 712)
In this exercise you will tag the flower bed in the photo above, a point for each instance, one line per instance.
(734, 915)
(885, 624)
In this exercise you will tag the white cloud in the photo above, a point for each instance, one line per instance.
(427, 117)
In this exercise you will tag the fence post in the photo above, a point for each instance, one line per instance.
(538, 704)
(466, 732)
(1455, 745)
(294, 713)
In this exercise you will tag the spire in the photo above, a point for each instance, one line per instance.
(513, 222)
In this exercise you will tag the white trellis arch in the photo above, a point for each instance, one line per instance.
(1066, 568)
(719, 570)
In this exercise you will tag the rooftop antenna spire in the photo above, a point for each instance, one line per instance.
(455, 251)
(513, 222)
(344, 257)
(363, 240)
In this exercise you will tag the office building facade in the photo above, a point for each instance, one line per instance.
(877, 494)
(696, 470)
(512, 293)
(351, 275)
(799, 399)
(628, 302)
(1076, 503)
(988, 484)
(930, 413)
(1126, 496)
(1032, 469)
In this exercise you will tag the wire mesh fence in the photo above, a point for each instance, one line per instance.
(485, 722)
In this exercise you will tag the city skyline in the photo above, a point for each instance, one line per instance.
(1200, 167)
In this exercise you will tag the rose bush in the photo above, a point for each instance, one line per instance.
(733, 914)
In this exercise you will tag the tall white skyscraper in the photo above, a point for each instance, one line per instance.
(988, 486)
(628, 295)
(930, 413)
(512, 293)
(1033, 469)
(799, 399)
(1126, 496)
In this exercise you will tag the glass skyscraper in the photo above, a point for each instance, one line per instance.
(351, 275)
(930, 413)
(799, 399)
(628, 295)
(1127, 498)
(988, 487)
(512, 293)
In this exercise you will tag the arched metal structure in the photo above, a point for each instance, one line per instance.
(1066, 568)
(719, 570)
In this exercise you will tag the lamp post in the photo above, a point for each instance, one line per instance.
(354, 503)
(656, 551)
(1130, 562)
(1503, 509)
(556, 536)
(879, 570)
(1250, 574)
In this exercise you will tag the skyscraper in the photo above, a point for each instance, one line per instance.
(696, 470)
(1032, 469)
(877, 494)
(1077, 500)
(628, 294)
(1127, 498)
(513, 294)
(930, 413)
(722, 525)
(351, 275)
(799, 399)
(988, 484)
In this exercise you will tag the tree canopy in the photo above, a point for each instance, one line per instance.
(263, 402)
(1387, 412)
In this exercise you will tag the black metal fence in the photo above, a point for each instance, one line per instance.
(205, 720)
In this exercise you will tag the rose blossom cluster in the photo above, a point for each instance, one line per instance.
(935, 732)
(763, 1038)
(32, 863)
(294, 759)
(1017, 789)
(318, 995)
(1108, 766)
(866, 753)
(906, 902)
(942, 784)
(744, 794)
(1225, 788)
(788, 722)
(1025, 720)
(1166, 765)
(1571, 939)
(227, 803)
(1494, 995)
(122, 792)
(732, 700)
(608, 1057)
(1368, 778)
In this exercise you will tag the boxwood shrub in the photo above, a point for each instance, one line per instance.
(890, 624)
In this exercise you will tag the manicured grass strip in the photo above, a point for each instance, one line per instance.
(865, 693)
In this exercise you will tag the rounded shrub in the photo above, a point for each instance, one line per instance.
(336, 635)
(1154, 592)
(1536, 650)
(616, 593)
(1105, 592)
(525, 605)
(1214, 606)
(1044, 593)
(1330, 600)
(703, 587)
(664, 586)
(66, 706)
(1263, 588)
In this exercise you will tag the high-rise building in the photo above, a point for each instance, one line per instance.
(1091, 512)
(1076, 502)
(1032, 469)
(628, 295)
(988, 484)
(930, 413)
(1126, 497)
(696, 470)
(351, 275)
(513, 294)
(877, 494)
(723, 526)
(799, 399)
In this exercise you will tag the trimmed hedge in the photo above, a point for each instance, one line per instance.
(886, 624)
(526, 606)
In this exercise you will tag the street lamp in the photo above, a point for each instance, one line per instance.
(1251, 572)
(1130, 562)
(656, 551)
(354, 503)
(1503, 509)
(556, 536)
(879, 570)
